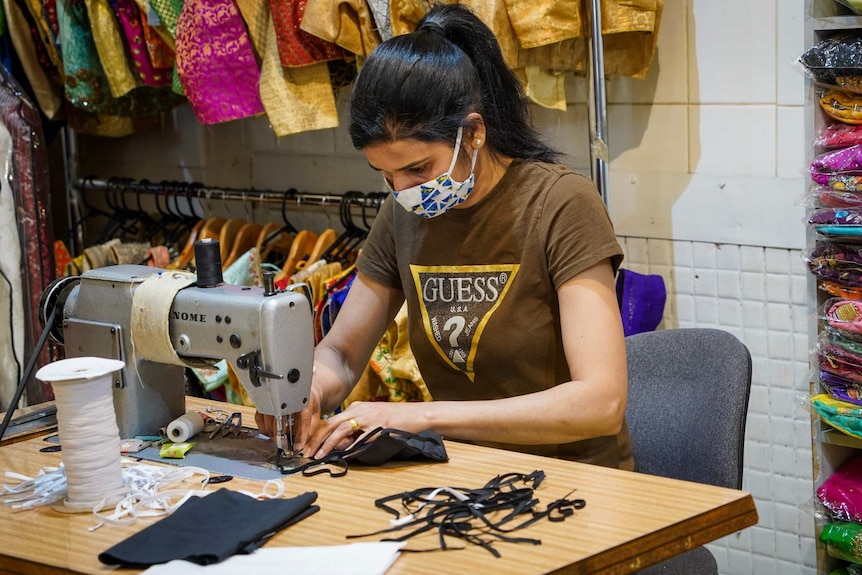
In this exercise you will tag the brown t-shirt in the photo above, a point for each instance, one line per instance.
(480, 284)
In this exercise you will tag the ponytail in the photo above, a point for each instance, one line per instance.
(422, 85)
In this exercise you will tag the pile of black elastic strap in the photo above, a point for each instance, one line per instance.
(476, 516)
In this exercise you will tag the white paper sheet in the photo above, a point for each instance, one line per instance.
(373, 558)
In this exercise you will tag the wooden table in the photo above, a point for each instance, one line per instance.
(630, 521)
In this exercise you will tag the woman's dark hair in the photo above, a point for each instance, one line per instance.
(422, 85)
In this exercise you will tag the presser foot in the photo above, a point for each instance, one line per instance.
(285, 460)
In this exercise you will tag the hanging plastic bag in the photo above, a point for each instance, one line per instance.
(641, 299)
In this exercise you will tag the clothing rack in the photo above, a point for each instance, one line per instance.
(199, 191)
(128, 200)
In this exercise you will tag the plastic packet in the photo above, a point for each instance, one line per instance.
(841, 493)
(175, 450)
(841, 540)
(844, 292)
(843, 224)
(835, 262)
(842, 106)
(836, 360)
(844, 416)
(844, 316)
(833, 60)
(826, 197)
(836, 134)
(839, 361)
(839, 161)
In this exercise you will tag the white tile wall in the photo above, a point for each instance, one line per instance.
(747, 291)
(737, 67)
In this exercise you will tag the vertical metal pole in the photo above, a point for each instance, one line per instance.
(597, 101)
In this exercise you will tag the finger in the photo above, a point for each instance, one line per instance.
(341, 435)
(264, 423)
(305, 425)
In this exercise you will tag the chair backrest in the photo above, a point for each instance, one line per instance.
(687, 404)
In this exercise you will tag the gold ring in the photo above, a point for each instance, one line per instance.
(355, 425)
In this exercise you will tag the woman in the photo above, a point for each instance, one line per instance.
(506, 259)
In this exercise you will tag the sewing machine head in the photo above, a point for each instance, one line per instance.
(159, 321)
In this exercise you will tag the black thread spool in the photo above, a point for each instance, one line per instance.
(208, 263)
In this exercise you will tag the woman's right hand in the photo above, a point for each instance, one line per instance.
(305, 422)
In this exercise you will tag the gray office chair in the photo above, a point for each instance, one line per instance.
(687, 404)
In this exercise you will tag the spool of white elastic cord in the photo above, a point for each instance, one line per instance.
(88, 430)
(185, 427)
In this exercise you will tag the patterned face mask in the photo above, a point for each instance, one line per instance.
(437, 196)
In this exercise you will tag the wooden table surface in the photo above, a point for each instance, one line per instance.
(630, 521)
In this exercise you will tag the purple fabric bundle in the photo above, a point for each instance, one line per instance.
(843, 161)
(840, 263)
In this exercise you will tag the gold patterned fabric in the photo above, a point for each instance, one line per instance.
(538, 23)
(295, 99)
(392, 373)
(45, 89)
(109, 44)
(629, 34)
(347, 23)
(551, 34)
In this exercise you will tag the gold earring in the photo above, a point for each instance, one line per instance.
(477, 143)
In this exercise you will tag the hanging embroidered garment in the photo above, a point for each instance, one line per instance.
(129, 16)
(216, 63)
(109, 46)
(629, 34)
(29, 178)
(347, 23)
(85, 84)
(168, 12)
(160, 44)
(11, 283)
(297, 47)
(41, 31)
(42, 80)
(295, 99)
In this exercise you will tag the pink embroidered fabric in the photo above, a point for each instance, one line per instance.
(128, 15)
(215, 62)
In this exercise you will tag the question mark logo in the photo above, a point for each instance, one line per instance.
(456, 324)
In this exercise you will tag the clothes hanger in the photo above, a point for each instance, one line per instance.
(273, 239)
(185, 221)
(278, 238)
(75, 234)
(245, 239)
(324, 240)
(227, 235)
(341, 248)
(115, 227)
(209, 228)
(300, 249)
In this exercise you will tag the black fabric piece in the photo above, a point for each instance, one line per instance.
(394, 444)
(207, 530)
(477, 516)
(376, 448)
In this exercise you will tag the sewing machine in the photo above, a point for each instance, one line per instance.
(265, 335)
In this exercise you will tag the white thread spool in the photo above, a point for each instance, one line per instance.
(185, 427)
(88, 429)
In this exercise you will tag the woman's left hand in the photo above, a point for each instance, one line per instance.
(343, 429)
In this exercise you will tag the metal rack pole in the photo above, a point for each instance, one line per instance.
(597, 100)
(232, 194)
